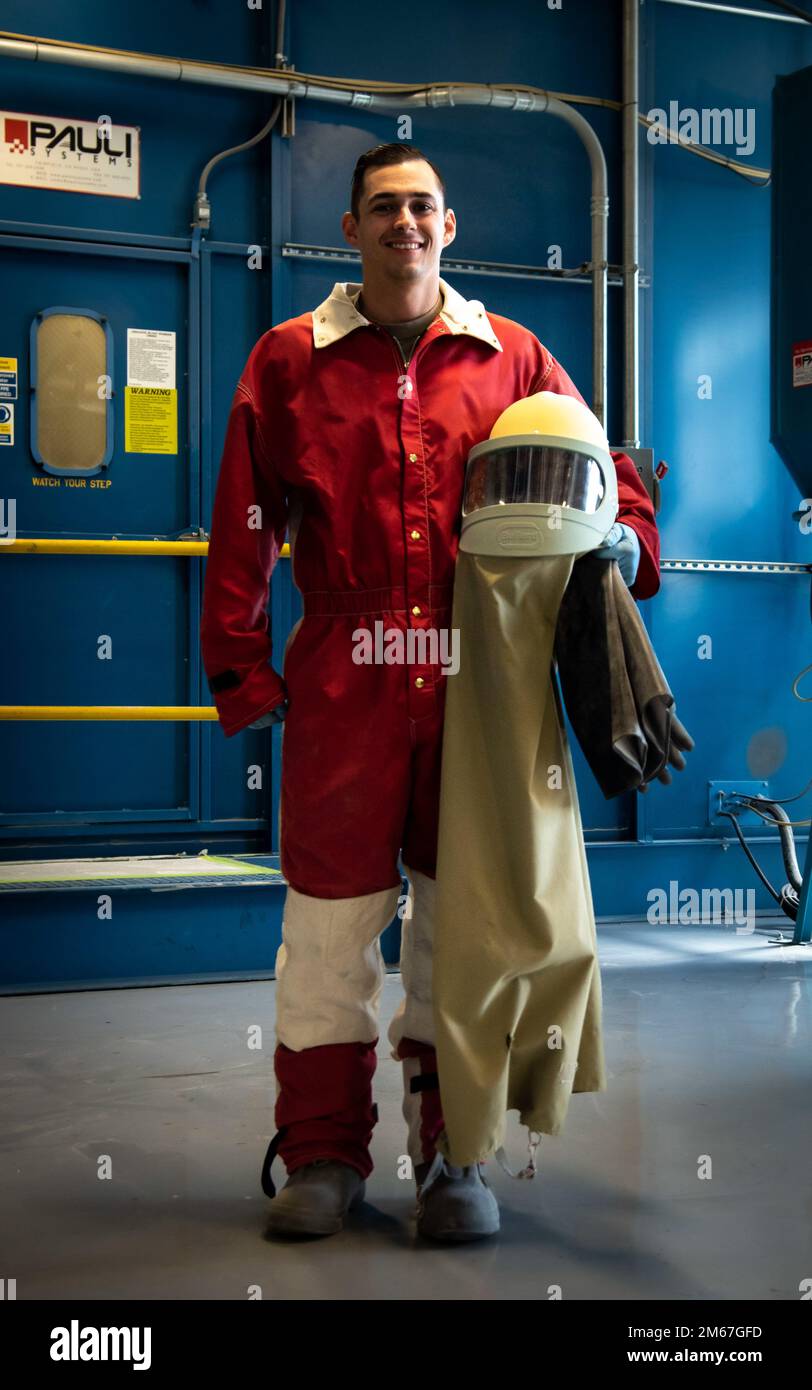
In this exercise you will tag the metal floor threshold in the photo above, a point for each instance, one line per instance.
(155, 871)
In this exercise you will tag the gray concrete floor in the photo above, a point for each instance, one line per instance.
(708, 1051)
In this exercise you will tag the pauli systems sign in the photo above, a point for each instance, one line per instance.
(70, 156)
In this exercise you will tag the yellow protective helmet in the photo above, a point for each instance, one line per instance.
(543, 483)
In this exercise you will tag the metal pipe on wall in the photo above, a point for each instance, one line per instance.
(221, 75)
(599, 213)
(631, 194)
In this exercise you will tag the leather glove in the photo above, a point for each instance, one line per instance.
(622, 545)
(274, 716)
(680, 740)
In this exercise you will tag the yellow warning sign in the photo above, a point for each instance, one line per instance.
(150, 420)
(8, 378)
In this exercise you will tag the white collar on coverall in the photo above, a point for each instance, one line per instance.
(337, 315)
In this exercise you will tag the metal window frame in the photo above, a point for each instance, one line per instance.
(109, 417)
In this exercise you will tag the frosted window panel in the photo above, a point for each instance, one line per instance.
(71, 417)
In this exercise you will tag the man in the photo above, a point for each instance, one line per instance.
(351, 426)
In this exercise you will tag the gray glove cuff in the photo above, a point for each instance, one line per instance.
(274, 716)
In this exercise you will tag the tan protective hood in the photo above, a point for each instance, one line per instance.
(517, 994)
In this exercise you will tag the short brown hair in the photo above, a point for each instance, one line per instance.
(377, 158)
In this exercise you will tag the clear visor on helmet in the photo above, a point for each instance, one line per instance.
(513, 473)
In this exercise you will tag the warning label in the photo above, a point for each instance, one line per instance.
(6, 424)
(8, 378)
(802, 364)
(150, 420)
(150, 357)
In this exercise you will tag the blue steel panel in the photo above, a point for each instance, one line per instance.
(739, 704)
(148, 493)
(791, 282)
(157, 831)
(727, 495)
(55, 608)
(52, 941)
(622, 876)
(112, 771)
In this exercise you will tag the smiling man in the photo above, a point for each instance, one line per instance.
(400, 234)
(350, 427)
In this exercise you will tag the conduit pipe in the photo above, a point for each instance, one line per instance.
(631, 199)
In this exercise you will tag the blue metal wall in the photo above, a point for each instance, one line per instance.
(518, 184)
(148, 786)
(728, 495)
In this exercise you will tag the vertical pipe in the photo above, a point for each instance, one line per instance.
(599, 206)
(206, 731)
(803, 924)
(631, 189)
(599, 211)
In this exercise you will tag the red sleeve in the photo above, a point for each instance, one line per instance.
(635, 507)
(247, 532)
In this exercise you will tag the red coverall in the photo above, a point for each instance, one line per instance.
(363, 459)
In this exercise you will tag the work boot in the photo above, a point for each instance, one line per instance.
(454, 1204)
(315, 1199)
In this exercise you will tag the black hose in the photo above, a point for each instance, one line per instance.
(786, 800)
(791, 9)
(757, 867)
(787, 842)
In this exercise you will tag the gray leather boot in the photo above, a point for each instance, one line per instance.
(316, 1199)
(454, 1204)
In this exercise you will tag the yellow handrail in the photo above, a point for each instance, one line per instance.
(46, 545)
(181, 713)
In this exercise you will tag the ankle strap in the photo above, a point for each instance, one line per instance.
(273, 1148)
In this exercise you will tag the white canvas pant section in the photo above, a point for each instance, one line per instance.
(414, 1017)
(330, 971)
(329, 968)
